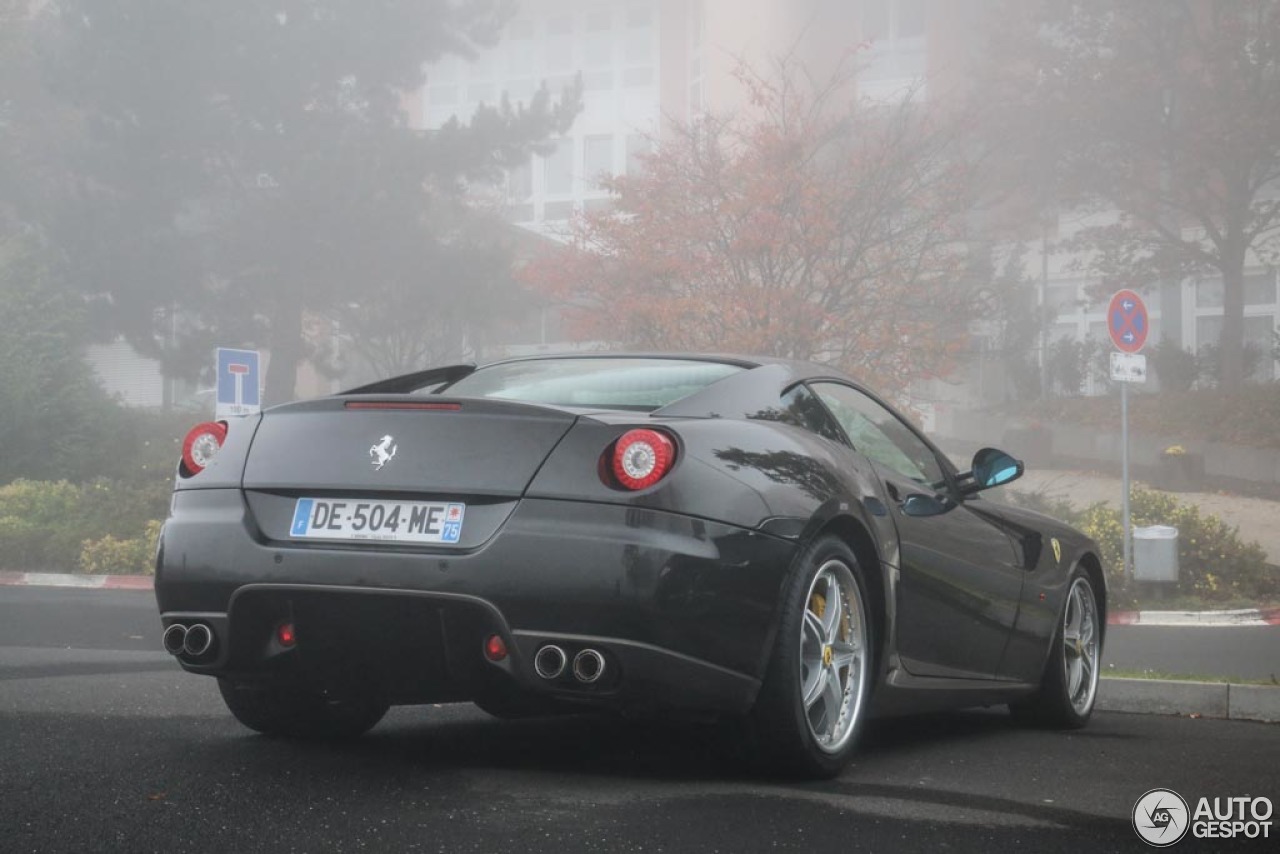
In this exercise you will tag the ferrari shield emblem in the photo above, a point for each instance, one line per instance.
(1057, 549)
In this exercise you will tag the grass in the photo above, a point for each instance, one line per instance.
(1125, 673)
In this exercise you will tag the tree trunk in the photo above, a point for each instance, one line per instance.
(1231, 341)
(286, 350)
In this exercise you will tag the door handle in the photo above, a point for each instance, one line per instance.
(918, 504)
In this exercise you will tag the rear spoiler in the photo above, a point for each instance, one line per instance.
(406, 383)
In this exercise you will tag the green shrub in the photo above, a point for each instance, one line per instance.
(44, 525)
(39, 525)
(1214, 564)
(109, 555)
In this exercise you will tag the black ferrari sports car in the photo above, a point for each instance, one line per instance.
(703, 536)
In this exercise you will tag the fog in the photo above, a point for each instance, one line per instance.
(938, 197)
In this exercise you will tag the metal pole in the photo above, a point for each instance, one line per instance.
(1124, 476)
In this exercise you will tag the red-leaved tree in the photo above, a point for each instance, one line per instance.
(810, 226)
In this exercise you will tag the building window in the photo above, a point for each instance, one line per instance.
(520, 181)
(557, 169)
(520, 213)
(637, 77)
(598, 19)
(557, 211)
(1260, 288)
(597, 159)
(896, 60)
(639, 16)
(559, 53)
(893, 20)
(1209, 293)
(598, 60)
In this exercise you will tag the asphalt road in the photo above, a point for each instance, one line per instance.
(106, 746)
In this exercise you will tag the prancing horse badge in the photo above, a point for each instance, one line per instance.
(1057, 549)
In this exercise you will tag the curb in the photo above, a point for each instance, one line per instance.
(1237, 617)
(1195, 699)
(66, 579)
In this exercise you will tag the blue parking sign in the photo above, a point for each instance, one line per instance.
(239, 382)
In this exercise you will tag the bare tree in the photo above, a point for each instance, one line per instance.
(1167, 111)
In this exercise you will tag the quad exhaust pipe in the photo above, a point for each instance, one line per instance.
(588, 666)
(551, 661)
(190, 641)
(199, 640)
(175, 638)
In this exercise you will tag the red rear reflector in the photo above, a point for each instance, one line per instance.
(641, 458)
(391, 404)
(284, 634)
(495, 648)
(202, 442)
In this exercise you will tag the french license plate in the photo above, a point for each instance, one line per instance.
(384, 521)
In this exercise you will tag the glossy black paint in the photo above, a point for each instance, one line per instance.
(677, 584)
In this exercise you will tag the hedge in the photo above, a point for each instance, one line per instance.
(103, 526)
(1214, 563)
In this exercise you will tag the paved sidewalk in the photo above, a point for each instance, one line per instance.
(1257, 518)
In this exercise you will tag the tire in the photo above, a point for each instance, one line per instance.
(818, 681)
(1069, 686)
(293, 713)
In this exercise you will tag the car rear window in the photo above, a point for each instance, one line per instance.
(640, 384)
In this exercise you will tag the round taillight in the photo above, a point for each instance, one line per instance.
(642, 457)
(201, 444)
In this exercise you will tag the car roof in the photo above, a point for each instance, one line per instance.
(799, 370)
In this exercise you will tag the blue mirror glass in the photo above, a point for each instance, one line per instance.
(992, 467)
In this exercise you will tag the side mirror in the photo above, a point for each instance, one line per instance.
(991, 467)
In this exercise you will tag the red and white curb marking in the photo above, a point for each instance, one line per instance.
(1238, 617)
(66, 579)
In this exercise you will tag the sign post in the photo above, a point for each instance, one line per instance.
(1128, 326)
(238, 383)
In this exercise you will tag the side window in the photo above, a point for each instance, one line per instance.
(879, 434)
(800, 408)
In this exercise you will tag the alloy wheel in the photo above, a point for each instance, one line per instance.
(1080, 646)
(833, 656)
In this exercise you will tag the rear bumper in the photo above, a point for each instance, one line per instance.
(682, 609)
